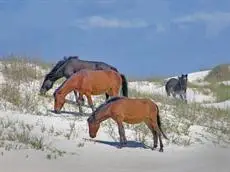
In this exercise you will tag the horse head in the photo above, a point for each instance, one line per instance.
(93, 125)
(59, 100)
(55, 74)
(46, 85)
(183, 79)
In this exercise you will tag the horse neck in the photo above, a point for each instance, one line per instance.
(65, 89)
(102, 116)
(55, 78)
(59, 73)
(181, 86)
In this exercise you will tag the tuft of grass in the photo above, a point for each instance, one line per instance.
(222, 92)
(110, 128)
(20, 69)
(14, 131)
(219, 73)
(10, 93)
(81, 144)
(49, 156)
(141, 132)
(139, 94)
(19, 73)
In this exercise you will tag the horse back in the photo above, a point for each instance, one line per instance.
(93, 65)
(134, 110)
(100, 78)
(171, 82)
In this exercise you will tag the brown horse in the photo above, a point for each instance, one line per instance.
(88, 83)
(131, 111)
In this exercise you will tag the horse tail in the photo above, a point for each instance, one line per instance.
(124, 85)
(167, 88)
(159, 123)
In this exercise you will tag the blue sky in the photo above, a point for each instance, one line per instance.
(139, 37)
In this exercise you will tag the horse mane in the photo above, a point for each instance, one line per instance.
(57, 66)
(114, 69)
(113, 99)
(60, 63)
(73, 57)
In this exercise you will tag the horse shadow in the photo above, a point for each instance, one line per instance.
(71, 113)
(130, 144)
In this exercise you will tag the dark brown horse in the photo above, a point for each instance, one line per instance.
(69, 66)
(131, 111)
(88, 83)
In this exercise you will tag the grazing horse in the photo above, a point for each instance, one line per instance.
(131, 111)
(88, 83)
(72, 64)
(177, 86)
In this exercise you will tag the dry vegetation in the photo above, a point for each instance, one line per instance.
(214, 78)
(21, 76)
(219, 73)
(21, 69)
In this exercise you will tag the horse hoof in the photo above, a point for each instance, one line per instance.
(57, 111)
(119, 147)
(161, 150)
(154, 147)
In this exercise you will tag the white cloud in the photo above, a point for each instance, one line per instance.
(214, 22)
(160, 28)
(101, 22)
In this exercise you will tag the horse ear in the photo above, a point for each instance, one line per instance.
(186, 76)
(91, 118)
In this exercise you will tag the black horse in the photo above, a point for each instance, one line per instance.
(177, 87)
(68, 66)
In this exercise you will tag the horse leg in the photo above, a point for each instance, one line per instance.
(181, 96)
(155, 136)
(113, 92)
(106, 96)
(76, 96)
(168, 93)
(79, 102)
(90, 101)
(79, 99)
(174, 94)
(159, 135)
(161, 143)
(121, 130)
(155, 127)
(185, 98)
